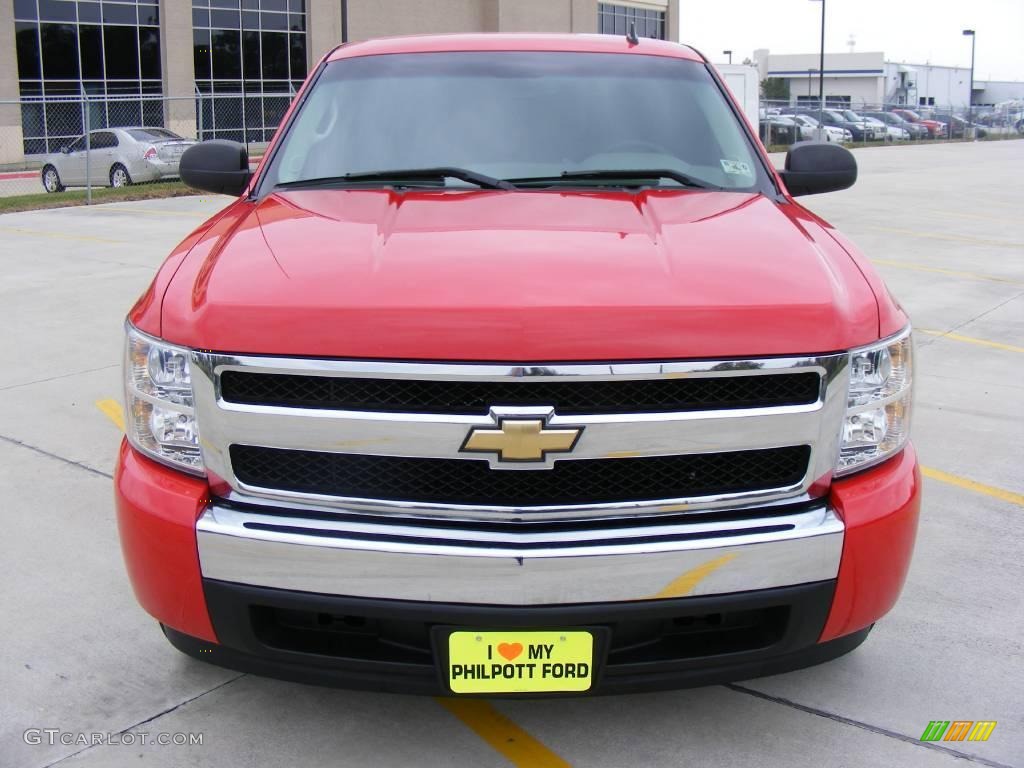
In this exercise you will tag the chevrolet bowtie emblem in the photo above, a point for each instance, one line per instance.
(521, 439)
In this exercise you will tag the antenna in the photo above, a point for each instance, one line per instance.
(631, 37)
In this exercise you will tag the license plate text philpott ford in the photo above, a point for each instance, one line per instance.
(520, 662)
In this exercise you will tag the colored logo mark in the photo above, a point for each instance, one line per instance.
(958, 730)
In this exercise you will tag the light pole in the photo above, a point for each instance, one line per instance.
(970, 94)
(821, 75)
(729, 54)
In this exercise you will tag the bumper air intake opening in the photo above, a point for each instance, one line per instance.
(633, 641)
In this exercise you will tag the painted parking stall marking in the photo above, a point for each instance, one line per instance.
(972, 340)
(113, 411)
(520, 662)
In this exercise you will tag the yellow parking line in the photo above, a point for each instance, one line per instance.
(113, 411)
(941, 271)
(59, 235)
(972, 340)
(943, 236)
(515, 744)
(982, 216)
(971, 485)
(685, 584)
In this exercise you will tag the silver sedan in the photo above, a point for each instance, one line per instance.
(116, 157)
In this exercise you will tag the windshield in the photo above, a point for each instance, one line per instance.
(852, 116)
(517, 115)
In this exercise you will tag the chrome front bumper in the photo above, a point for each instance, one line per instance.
(584, 562)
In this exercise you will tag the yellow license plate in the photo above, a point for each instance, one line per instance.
(520, 661)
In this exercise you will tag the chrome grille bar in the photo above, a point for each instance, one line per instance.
(606, 436)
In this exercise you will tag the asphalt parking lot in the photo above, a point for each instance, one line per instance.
(943, 225)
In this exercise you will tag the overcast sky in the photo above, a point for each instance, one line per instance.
(915, 31)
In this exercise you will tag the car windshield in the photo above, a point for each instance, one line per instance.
(152, 134)
(852, 116)
(516, 115)
(912, 114)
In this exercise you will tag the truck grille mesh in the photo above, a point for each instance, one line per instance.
(476, 397)
(470, 481)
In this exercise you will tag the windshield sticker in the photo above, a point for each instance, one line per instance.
(736, 167)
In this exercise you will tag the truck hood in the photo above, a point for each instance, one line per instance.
(515, 276)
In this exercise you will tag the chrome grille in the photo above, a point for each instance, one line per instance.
(740, 433)
(467, 481)
(478, 397)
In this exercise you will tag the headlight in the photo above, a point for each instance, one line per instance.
(877, 422)
(160, 419)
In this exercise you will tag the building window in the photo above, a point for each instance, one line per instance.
(926, 101)
(67, 48)
(250, 57)
(614, 19)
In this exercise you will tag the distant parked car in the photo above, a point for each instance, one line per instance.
(809, 129)
(892, 132)
(891, 119)
(805, 130)
(775, 129)
(836, 119)
(935, 128)
(958, 128)
(872, 132)
(117, 157)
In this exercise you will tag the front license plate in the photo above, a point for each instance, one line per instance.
(520, 661)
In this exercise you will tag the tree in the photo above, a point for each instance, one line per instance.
(775, 89)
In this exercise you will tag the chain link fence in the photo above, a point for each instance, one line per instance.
(860, 124)
(54, 144)
(50, 145)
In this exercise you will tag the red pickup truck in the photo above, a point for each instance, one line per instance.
(936, 129)
(515, 368)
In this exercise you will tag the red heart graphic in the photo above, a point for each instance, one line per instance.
(510, 650)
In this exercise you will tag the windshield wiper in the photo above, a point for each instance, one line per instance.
(617, 174)
(397, 177)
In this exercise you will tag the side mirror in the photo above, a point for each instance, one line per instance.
(65, 150)
(813, 167)
(217, 166)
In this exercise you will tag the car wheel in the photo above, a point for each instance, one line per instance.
(119, 176)
(51, 180)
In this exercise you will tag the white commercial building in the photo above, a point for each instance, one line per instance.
(868, 79)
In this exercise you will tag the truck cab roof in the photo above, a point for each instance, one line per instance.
(514, 42)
